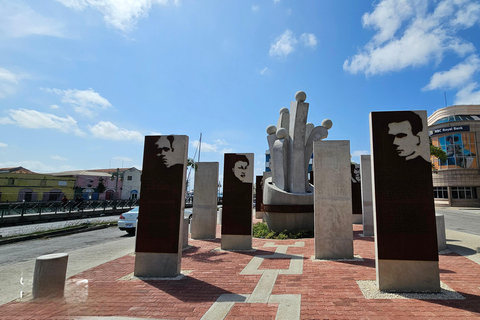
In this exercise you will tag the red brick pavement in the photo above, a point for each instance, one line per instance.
(328, 289)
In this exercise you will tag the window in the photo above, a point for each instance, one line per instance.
(460, 149)
(129, 178)
(464, 193)
(440, 192)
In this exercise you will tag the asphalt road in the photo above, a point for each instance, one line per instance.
(86, 250)
(28, 250)
(465, 220)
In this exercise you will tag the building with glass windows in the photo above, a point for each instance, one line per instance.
(456, 129)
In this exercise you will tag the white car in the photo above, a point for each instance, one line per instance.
(128, 221)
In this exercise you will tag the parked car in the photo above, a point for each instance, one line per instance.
(128, 221)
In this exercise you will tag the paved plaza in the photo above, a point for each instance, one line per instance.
(279, 279)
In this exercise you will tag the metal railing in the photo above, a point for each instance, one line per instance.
(40, 207)
(43, 207)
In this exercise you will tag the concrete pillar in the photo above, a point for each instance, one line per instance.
(333, 200)
(367, 206)
(204, 220)
(49, 275)
(186, 224)
(441, 234)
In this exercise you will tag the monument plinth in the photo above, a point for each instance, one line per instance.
(237, 213)
(405, 227)
(158, 247)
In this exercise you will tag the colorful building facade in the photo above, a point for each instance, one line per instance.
(456, 130)
(20, 184)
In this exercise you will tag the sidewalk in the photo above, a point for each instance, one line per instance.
(277, 280)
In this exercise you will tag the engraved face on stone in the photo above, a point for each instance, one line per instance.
(166, 151)
(406, 143)
(240, 170)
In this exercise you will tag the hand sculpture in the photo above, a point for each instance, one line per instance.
(291, 145)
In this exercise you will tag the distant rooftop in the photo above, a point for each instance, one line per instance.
(16, 170)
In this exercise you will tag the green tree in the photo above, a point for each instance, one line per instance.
(438, 153)
(101, 187)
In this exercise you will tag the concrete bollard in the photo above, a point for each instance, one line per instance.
(186, 223)
(219, 216)
(49, 275)
(441, 235)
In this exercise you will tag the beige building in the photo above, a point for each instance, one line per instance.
(456, 129)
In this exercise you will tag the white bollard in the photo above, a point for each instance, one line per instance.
(49, 275)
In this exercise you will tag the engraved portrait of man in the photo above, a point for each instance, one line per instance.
(166, 150)
(407, 131)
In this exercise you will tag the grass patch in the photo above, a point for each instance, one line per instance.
(260, 230)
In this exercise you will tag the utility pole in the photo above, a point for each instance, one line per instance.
(116, 185)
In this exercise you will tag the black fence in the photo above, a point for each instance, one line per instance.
(39, 207)
(34, 211)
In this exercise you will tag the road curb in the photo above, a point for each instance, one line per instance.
(54, 233)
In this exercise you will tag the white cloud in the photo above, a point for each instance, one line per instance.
(54, 107)
(468, 15)
(468, 95)
(85, 102)
(35, 166)
(205, 147)
(208, 147)
(108, 131)
(455, 77)
(121, 15)
(6, 120)
(309, 40)
(283, 45)
(3, 145)
(19, 20)
(9, 82)
(55, 157)
(255, 7)
(33, 119)
(276, 1)
(220, 142)
(264, 71)
(7, 76)
(427, 35)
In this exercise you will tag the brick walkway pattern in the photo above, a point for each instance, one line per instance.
(327, 289)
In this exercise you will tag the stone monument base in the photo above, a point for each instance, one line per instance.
(236, 242)
(149, 264)
(287, 211)
(408, 276)
(280, 221)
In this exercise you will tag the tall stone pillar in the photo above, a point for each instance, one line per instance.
(405, 227)
(237, 201)
(333, 200)
(367, 213)
(296, 166)
(204, 220)
(158, 244)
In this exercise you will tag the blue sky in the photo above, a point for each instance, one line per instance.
(83, 81)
